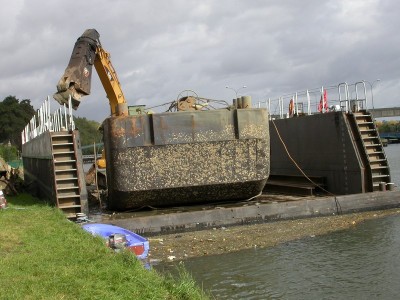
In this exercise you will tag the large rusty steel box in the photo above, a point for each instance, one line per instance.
(184, 158)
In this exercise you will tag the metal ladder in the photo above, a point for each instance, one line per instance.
(66, 175)
(376, 161)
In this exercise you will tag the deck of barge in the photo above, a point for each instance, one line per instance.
(265, 208)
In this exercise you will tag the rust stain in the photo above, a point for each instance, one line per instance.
(116, 129)
(136, 131)
(192, 159)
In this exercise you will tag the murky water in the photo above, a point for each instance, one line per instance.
(393, 155)
(360, 263)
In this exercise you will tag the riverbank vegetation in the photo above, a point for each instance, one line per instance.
(17, 113)
(388, 126)
(89, 134)
(45, 256)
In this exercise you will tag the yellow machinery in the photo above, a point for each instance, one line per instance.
(76, 80)
(77, 77)
(101, 162)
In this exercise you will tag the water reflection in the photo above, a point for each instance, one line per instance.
(362, 262)
(359, 263)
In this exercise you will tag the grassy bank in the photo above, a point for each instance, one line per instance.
(45, 256)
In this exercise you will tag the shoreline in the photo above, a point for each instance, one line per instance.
(216, 241)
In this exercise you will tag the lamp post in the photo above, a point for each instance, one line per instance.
(371, 87)
(236, 90)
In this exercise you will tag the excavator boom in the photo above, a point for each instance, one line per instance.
(76, 81)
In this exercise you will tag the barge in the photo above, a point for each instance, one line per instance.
(194, 155)
(156, 160)
(336, 156)
(186, 158)
(190, 155)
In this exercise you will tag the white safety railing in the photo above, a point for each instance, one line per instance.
(342, 97)
(43, 121)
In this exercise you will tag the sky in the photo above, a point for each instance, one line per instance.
(162, 48)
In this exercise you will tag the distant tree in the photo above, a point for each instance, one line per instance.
(89, 133)
(8, 152)
(14, 115)
(388, 126)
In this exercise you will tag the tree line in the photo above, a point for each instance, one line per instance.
(15, 114)
(388, 126)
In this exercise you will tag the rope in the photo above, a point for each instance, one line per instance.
(338, 207)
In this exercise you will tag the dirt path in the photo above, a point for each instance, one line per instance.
(180, 246)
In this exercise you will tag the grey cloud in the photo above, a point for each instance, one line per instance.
(160, 48)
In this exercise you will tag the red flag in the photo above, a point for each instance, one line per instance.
(325, 100)
(323, 103)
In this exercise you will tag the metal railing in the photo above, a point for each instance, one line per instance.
(44, 120)
(342, 97)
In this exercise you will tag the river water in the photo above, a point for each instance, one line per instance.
(393, 155)
(362, 262)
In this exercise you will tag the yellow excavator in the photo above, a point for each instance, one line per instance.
(76, 81)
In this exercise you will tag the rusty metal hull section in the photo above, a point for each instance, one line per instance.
(185, 158)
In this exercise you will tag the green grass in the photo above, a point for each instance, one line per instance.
(45, 256)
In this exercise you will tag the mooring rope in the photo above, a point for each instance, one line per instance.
(338, 207)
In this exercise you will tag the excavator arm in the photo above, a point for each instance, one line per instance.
(76, 81)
